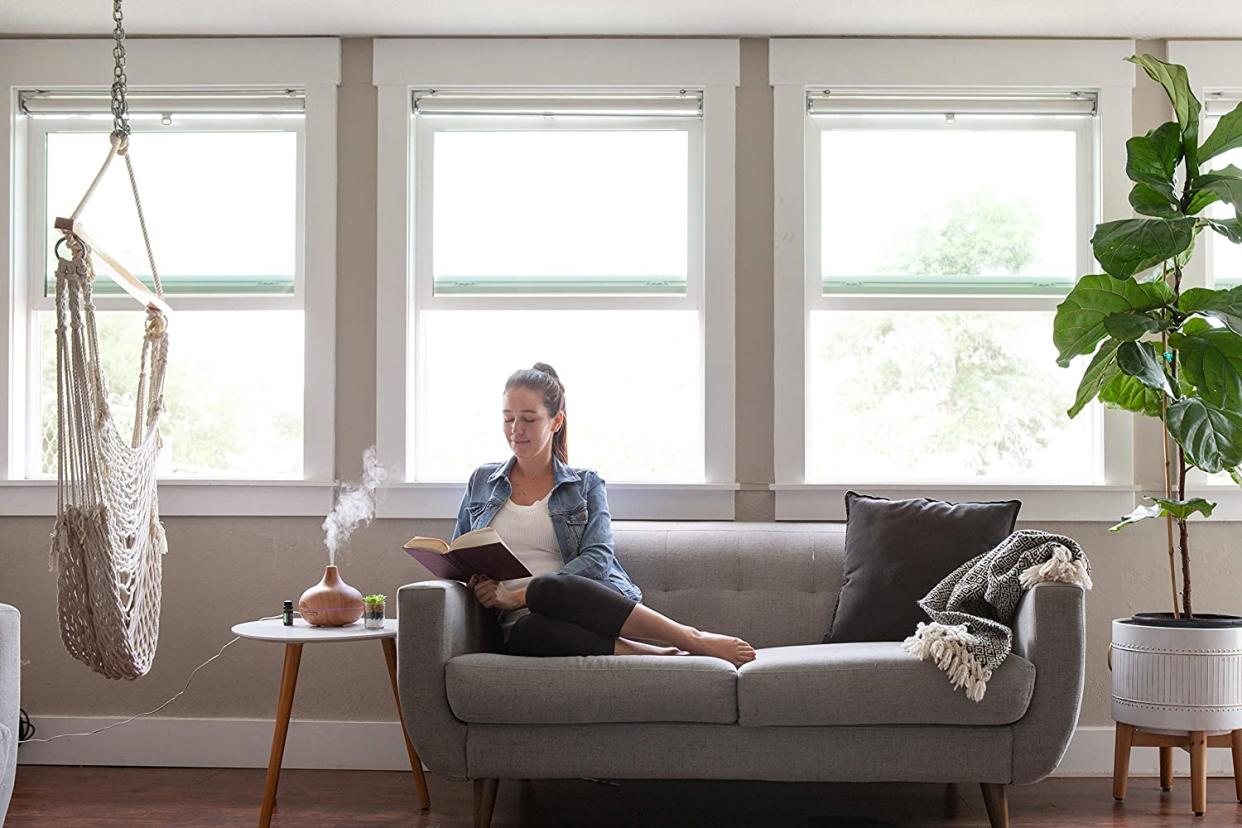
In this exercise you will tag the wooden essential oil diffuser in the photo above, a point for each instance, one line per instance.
(331, 602)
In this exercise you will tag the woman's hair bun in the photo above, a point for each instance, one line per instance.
(547, 369)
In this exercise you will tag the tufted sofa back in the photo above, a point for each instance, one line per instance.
(772, 584)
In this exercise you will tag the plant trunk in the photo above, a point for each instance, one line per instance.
(1168, 487)
(1183, 534)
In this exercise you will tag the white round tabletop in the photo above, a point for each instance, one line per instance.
(273, 629)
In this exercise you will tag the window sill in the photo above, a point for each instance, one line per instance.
(184, 498)
(826, 501)
(626, 501)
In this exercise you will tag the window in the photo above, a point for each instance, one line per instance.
(555, 205)
(935, 201)
(579, 225)
(1213, 69)
(222, 194)
(959, 197)
(235, 164)
(1224, 258)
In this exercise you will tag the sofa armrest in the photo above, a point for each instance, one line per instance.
(439, 620)
(1049, 631)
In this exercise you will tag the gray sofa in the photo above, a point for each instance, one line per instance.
(802, 711)
(10, 700)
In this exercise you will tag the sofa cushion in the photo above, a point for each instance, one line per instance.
(868, 683)
(503, 689)
(897, 550)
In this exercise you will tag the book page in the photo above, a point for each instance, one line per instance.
(479, 537)
(430, 544)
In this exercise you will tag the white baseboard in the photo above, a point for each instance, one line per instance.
(1090, 753)
(216, 743)
(245, 743)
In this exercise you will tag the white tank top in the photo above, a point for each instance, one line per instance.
(528, 532)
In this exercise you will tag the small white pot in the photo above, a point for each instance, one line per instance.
(1177, 678)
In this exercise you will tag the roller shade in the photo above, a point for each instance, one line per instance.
(636, 104)
(97, 102)
(1220, 103)
(853, 102)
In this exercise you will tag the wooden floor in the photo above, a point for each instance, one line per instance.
(64, 797)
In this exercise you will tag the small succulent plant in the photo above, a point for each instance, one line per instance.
(375, 599)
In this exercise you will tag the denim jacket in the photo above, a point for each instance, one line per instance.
(578, 506)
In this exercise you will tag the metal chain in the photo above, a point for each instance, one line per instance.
(120, 108)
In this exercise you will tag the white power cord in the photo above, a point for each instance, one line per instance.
(162, 706)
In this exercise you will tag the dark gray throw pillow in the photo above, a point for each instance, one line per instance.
(897, 550)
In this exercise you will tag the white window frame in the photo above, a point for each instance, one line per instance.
(799, 65)
(402, 66)
(306, 64)
(1213, 66)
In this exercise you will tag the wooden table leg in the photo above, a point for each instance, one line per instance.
(416, 764)
(1198, 771)
(1166, 768)
(1121, 759)
(288, 681)
(1235, 742)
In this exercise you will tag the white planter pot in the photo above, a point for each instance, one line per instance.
(1177, 679)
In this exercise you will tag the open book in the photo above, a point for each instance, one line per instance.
(480, 552)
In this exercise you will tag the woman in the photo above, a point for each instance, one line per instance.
(555, 520)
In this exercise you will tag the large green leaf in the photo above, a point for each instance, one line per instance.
(1125, 247)
(1212, 360)
(1229, 228)
(1100, 371)
(1139, 360)
(1211, 436)
(1228, 188)
(1200, 199)
(1185, 105)
(1161, 507)
(1131, 326)
(1147, 201)
(1081, 319)
(1226, 136)
(1225, 305)
(1125, 392)
(1151, 159)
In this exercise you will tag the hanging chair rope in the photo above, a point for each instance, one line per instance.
(108, 543)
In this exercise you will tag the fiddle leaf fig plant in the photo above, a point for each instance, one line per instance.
(1158, 350)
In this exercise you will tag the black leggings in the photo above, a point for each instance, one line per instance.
(569, 616)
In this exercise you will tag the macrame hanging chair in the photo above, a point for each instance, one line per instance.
(108, 543)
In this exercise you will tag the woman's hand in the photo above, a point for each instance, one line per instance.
(495, 594)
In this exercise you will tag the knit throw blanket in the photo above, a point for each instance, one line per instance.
(972, 609)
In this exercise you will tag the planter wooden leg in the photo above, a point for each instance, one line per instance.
(1198, 771)
(484, 801)
(1166, 768)
(1236, 744)
(997, 803)
(1121, 759)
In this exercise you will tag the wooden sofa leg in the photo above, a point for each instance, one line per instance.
(997, 804)
(484, 801)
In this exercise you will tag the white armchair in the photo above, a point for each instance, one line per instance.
(10, 698)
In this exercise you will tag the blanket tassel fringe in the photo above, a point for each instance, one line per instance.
(949, 646)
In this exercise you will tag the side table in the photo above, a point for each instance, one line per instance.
(293, 638)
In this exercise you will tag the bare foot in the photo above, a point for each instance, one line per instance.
(625, 646)
(734, 650)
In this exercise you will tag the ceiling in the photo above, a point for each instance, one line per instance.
(1014, 18)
